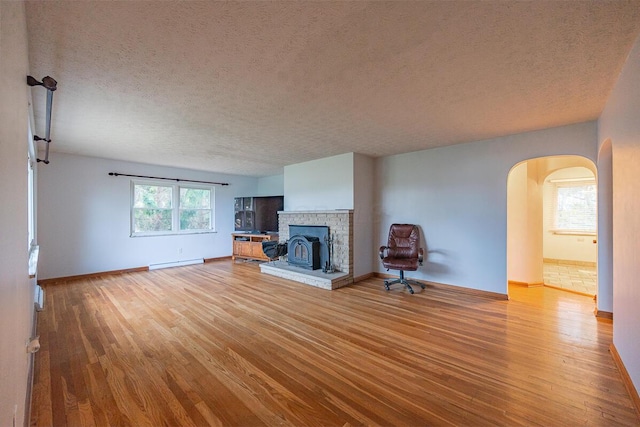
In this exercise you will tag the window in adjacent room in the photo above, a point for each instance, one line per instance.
(575, 206)
(159, 209)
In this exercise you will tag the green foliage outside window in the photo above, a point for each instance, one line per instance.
(152, 220)
(195, 209)
(154, 209)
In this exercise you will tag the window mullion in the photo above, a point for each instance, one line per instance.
(176, 209)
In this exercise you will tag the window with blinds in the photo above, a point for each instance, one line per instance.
(575, 207)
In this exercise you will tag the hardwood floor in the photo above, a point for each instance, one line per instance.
(222, 344)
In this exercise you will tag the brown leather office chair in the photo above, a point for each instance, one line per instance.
(403, 252)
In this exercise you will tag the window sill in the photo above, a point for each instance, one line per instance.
(181, 233)
(574, 233)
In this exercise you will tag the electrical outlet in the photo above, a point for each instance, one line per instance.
(180, 250)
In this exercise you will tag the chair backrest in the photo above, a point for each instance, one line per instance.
(404, 241)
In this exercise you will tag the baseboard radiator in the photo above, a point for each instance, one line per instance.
(176, 263)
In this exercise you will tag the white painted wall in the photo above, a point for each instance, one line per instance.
(620, 122)
(534, 194)
(563, 246)
(270, 186)
(363, 212)
(345, 181)
(458, 195)
(16, 291)
(524, 224)
(84, 223)
(517, 224)
(323, 184)
(605, 228)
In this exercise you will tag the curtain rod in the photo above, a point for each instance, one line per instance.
(168, 179)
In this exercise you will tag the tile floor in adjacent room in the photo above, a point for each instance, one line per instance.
(576, 278)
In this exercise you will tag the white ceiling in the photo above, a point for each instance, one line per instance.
(249, 87)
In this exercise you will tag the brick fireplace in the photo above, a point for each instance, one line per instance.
(340, 223)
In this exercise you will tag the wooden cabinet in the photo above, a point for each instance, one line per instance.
(249, 246)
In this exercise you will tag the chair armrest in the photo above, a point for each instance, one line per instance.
(382, 252)
(420, 256)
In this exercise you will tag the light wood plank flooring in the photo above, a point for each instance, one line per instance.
(222, 344)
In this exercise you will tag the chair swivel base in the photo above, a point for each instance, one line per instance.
(406, 282)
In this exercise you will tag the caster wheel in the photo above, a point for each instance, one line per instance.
(386, 287)
(422, 286)
(411, 291)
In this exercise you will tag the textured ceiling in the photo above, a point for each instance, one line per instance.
(249, 87)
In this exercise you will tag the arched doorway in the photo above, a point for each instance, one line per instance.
(551, 224)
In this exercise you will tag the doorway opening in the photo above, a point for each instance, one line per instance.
(552, 224)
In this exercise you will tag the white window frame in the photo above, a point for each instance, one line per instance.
(32, 184)
(565, 183)
(175, 208)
